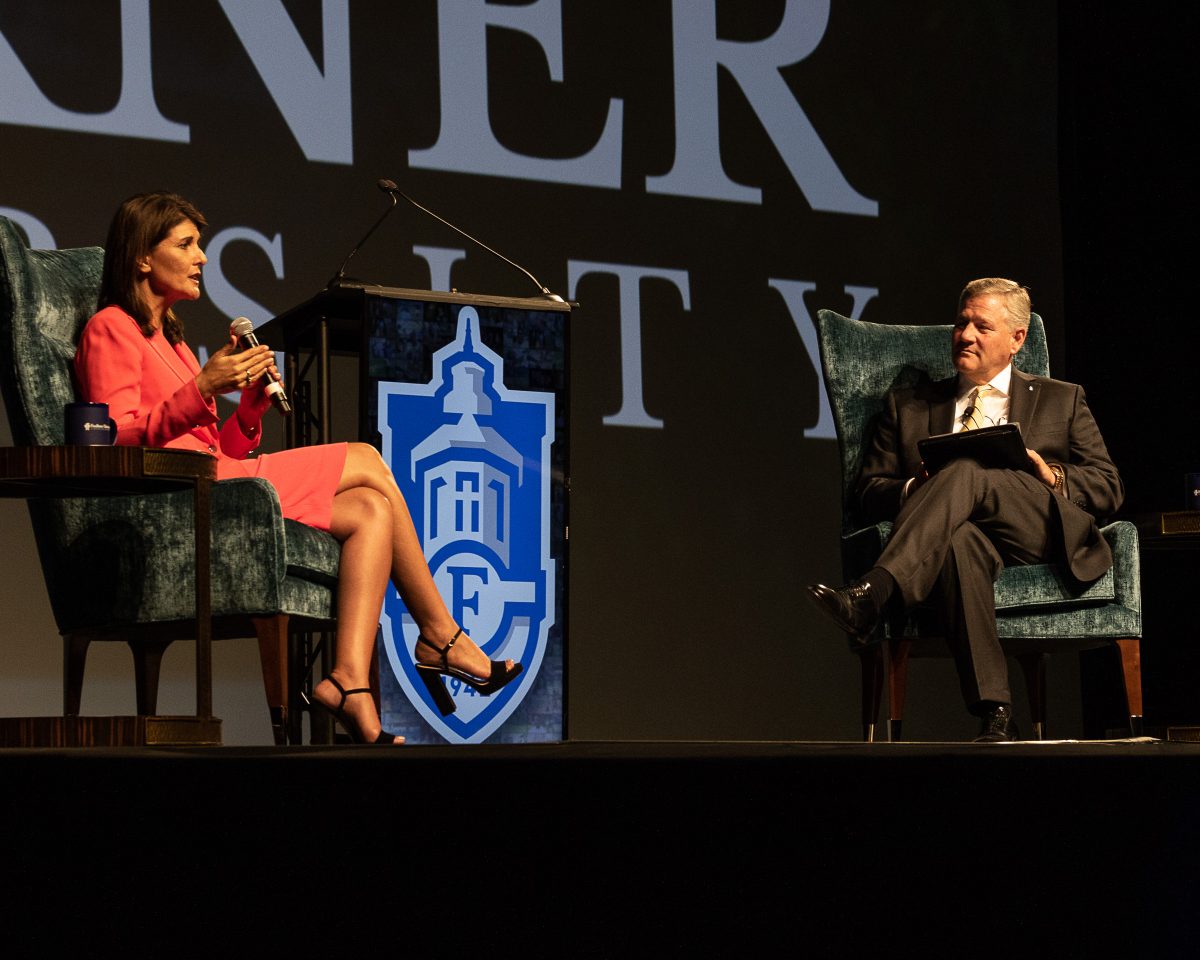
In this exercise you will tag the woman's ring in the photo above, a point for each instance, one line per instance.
(249, 379)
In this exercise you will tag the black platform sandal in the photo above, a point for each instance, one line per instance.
(348, 723)
(500, 676)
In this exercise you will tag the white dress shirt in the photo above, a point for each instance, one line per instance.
(993, 402)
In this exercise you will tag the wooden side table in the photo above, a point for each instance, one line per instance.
(1170, 658)
(54, 472)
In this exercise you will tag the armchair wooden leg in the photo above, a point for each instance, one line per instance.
(1033, 665)
(319, 646)
(870, 660)
(273, 651)
(1131, 671)
(299, 685)
(897, 654)
(74, 660)
(147, 660)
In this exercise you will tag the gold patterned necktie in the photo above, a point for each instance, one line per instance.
(972, 417)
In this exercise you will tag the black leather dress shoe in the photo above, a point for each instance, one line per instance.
(998, 726)
(850, 607)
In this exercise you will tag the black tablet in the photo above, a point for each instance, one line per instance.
(999, 446)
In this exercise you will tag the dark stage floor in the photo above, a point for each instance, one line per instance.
(616, 849)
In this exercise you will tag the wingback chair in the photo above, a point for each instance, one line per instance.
(1039, 608)
(270, 576)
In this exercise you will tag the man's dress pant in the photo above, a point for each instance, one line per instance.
(951, 539)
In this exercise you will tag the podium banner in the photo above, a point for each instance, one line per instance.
(470, 404)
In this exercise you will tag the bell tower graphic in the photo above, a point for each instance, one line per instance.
(472, 458)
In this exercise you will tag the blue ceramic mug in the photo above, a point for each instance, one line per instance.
(89, 425)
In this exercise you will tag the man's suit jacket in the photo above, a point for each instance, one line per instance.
(1055, 421)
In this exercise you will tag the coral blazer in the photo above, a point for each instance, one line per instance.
(150, 388)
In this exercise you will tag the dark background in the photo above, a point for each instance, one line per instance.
(1025, 139)
(1128, 172)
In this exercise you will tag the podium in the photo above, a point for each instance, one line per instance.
(466, 396)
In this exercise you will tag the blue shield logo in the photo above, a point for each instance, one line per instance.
(473, 461)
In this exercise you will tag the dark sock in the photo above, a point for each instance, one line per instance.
(882, 585)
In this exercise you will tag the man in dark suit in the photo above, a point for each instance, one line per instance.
(954, 531)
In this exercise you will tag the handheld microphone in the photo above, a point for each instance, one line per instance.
(389, 186)
(243, 330)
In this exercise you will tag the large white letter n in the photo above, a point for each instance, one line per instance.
(314, 102)
(135, 115)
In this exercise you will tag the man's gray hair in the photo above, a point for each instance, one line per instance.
(1015, 297)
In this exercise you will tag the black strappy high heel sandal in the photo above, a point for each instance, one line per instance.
(348, 723)
(500, 676)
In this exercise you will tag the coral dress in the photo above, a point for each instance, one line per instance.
(150, 388)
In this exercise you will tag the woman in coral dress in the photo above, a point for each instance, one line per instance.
(132, 356)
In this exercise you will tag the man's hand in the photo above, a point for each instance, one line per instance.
(921, 476)
(913, 482)
(1041, 468)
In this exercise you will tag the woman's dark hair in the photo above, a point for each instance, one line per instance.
(140, 224)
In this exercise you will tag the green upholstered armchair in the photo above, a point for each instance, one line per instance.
(1039, 609)
(269, 575)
